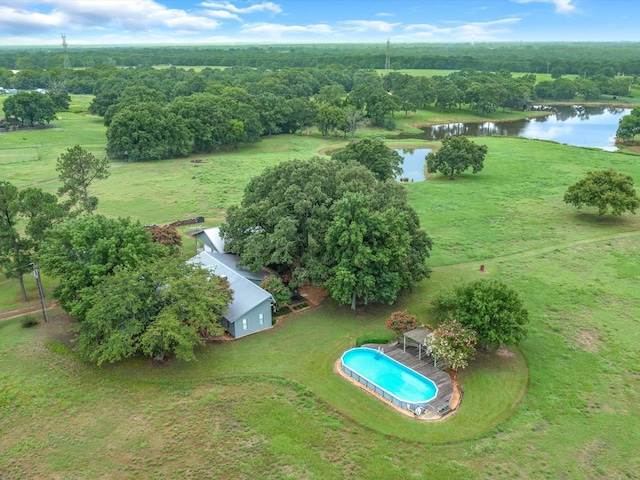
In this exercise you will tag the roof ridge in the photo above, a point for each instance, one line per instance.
(233, 272)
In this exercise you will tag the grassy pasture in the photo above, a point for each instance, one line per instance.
(566, 404)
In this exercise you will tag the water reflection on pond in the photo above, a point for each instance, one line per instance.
(414, 163)
(574, 125)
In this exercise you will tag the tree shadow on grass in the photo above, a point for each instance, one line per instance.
(592, 218)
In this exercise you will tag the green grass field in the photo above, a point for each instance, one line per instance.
(564, 405)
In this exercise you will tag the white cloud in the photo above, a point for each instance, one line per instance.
(221, 14)
(258, 7)
(17, 21)
(385, 14)
(105, 16)
(132, 15)
(275, 29)
(562, 6)
(479, 31)
(369, 25)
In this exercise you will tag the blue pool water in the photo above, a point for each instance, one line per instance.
(406, 386)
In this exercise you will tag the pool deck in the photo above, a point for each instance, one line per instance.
(423, 367)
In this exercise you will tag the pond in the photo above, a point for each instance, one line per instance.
(413, 164)
(576, 125)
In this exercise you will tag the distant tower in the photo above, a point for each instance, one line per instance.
(65, 54)
(387, 61)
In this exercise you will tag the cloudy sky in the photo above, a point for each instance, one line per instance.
(40, 22)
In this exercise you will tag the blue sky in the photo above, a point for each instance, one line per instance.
(40, 22)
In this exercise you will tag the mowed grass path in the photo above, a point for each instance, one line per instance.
(270, 406)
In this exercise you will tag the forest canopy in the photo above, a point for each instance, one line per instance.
(574, 58)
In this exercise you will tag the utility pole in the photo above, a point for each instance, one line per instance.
(387, 61)
(36, 273)
(65, 53)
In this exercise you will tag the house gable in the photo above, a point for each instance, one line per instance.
(250, 309)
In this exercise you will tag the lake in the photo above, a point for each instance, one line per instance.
(413, 164)
(593, 127)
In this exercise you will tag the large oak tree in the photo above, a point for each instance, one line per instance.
(82, 251)
(332, 224)
(373, 154)
(147, 131)
(606, 190)
(456, 155)
(30, 108)
(157, 308)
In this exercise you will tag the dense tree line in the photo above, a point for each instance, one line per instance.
(153, 114)
(160, 113)
(574, 58)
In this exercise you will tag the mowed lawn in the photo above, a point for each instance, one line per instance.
(563, 405)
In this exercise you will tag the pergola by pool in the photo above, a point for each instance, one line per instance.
(416, 338)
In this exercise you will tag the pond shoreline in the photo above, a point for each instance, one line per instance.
(538, 113)
(597, 126)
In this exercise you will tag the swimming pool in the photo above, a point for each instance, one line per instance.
(389, 378)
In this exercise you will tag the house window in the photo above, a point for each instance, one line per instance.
(244, 323)
(261, 318)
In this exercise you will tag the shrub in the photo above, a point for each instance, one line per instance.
(29, 321)
(168, 236)
(370, 338)
(453, 343)
(282, 311)
(276, 287)
(401, 322)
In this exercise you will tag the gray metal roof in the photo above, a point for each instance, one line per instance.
(213, 234)
(418, 335)
(246, 294)
(230, 260)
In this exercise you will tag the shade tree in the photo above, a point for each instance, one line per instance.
(491, 308)
(456, 155)
(361, 259)
(147, 131)
(30, 108)
(157, 308)
(303, 114)
(132, 95)
(629, 126)
(374, 154)
(77, 170)
(331, 224)
(329, 118)
(213, 121)
(14, 247)
(82, 251)
(607, 190)
(18, 245)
